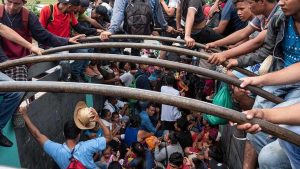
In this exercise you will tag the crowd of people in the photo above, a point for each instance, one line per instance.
(259, 35)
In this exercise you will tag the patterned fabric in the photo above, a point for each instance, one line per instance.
(18, 73)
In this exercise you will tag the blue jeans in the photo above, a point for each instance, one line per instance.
(291, 150)
(78, 66)
(260, 141)
(9, 104)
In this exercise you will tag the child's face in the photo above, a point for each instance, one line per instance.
(290, 7)
(107, 153)
(243, 11)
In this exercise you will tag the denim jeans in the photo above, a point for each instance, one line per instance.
(291, 150)
(260, 141)
(78, 66)
(9, 104)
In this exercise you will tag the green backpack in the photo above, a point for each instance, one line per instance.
(132, 102)
(222, 98)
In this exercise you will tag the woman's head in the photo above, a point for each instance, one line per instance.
(107, 152)
(135, 121)
(138, 149)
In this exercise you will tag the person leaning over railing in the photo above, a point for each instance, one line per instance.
(288, 115)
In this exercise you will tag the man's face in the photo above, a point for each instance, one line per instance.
(243, 11)
(13, 7)
(290, 7)
(72, 8)
(151, 110)
(257, 8)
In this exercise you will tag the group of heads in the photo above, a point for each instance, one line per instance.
(247, 9)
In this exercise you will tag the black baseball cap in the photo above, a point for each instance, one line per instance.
(72, 2)
(84, 3)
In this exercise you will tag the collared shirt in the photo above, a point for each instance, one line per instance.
(119, 14)
(61, 24)
(146, 123)
(83, 152)
(261, 22)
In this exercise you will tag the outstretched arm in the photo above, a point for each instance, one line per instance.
(11, 35)
(34, 131)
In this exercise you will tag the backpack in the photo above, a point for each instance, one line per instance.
(132, 102)
(138, 18)
(51, 17)
(25, 17)
(74, 163)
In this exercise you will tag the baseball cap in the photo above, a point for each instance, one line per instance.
(84, 3)
(72, 2)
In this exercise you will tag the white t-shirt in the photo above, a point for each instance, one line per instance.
(111, 108)
(107, 124)
(126, 78)
(169, 113)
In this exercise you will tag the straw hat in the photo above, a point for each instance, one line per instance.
(83, 115)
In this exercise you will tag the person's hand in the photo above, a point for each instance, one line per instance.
(217, 58)
(158, 124)
(116, 139)
(250, 81)
(250, 114)
(190, 42)
(105, 35)
(232, 63)
(23, 110)
(180, 30)
(211, 45)
(171, 30)
(95, 115)
(76, 38)
(36, 50)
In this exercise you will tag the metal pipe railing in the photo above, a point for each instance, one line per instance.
(146, 37)
(178, 101)
(140, 46)
(139, 60)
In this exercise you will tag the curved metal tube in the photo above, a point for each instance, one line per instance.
(135, 59)
(140, 46)
(178, 101)
(145, 37)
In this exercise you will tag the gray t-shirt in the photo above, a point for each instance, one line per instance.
(126, 78)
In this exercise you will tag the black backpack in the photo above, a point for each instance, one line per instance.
(138, 18)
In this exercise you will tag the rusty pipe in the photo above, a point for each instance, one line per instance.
(140, 46)
(146, 37)
(178, 101)
(139, 60)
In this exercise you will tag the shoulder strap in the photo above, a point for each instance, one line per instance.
(51, 17)
(25, 18)
(1, 11)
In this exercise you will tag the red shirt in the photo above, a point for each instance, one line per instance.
(61, 24)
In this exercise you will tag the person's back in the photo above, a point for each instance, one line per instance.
(131, 135)
(169, 113)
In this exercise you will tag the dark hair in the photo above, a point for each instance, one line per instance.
(170, 80)
(237, 1)
(199, 164)
(71, 131)
(114, 165)
(84, 3)
(132, 66)
(114, 114)
(135, 121)
(182, 123)
(172, 137)
(101, 10)
(176, 159)
(139, 150)
(104, 113)
(151, 104)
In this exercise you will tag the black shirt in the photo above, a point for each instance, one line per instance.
(197, 5)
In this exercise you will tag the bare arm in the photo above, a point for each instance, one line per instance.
(221, 27)
(11, 35)
(233, 38)
(34, 131)
(106, 132)
(143, 134)
(247, 47)
(287, 75)
(93, 22)
(169, 11)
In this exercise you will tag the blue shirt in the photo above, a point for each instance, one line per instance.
(146, 122)
(291, 44)
(229, 13)
(119, 14)
(83, 152)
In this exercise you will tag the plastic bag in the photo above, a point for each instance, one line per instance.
(222, 98)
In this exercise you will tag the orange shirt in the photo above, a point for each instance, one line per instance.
(61, 24)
